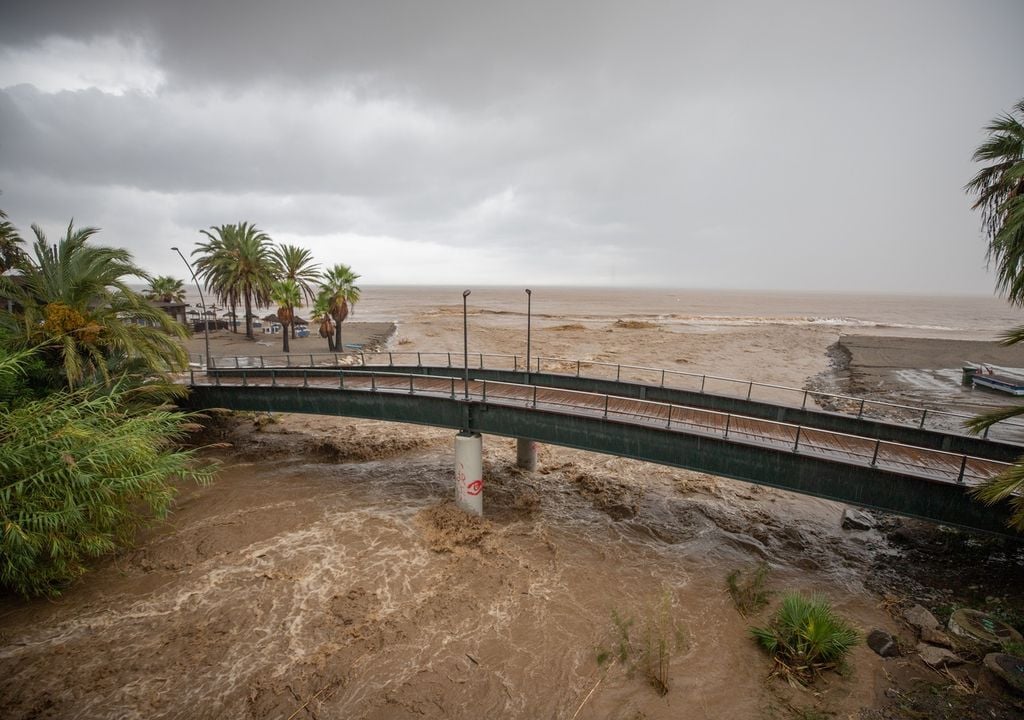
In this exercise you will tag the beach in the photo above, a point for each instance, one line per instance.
(326, 573)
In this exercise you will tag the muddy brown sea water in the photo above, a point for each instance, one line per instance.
(326, 573)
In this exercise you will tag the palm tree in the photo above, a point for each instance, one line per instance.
(287, 295)
(999, 188)
(322, 314)
(11, 252)
(295, 263)
(164, 288)
(73, 300)
(339, 293)
(212, 266)
(237, 264)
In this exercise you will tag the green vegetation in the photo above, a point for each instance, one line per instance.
(999, 191)
(81, 468)
(236, 263)
(88, 445)
(749, 596)
(71, 300)
(806, 637)
(651, 648)
(286, 294)
(296, 264)
(164, 288)
(337, 295)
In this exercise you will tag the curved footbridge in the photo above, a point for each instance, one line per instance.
(904, 466)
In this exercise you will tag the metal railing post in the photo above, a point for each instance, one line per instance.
(803, 405)
(391, 360)
(874, 458)
(362, 359)
(449, 359)
(419, 359)
(618, 372)
(515, 363)
(373, 382)
(341, 379)
(453, 382)
(963, 468)
(728, 419)
(663, 378)
(577, 368)
(411, 391)
(191, 377)
(273, 378)
(484, 398)
(245, 379)
(669, 423)
(797, 443)
(750, 389)
(703, 378)
(236, 363)
(860, 412)
(287, 361)
(218, 378)
(305, 378)
(924, 414)
(605, 407)
(481, 361)
(261, 362)
(311, 360)
(534, 397)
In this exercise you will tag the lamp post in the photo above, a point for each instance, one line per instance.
(529, 297)
(465, 346)
(206, 320)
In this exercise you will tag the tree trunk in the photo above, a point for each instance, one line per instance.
(248, 317)
(284, 337)
(234, 317)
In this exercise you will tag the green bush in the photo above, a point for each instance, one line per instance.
(806, 636)
(80, 471)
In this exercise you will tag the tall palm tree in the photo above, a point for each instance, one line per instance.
(164, 288)
(287, 295)
(340, 293)
(236, 264)
(213, 264)
(296, 263)
(73, 300)
(999, 191)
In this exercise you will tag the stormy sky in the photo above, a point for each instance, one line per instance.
(790, 145)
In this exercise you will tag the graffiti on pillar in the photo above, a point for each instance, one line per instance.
(472, 488)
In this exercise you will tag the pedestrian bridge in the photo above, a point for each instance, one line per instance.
(823, 445)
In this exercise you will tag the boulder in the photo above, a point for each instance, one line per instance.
(883, 643)
(937, 657)
(982, 628)
(857, 520)
(920, 617)
(1008, 667)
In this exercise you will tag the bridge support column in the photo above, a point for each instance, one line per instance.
(526, 454)
(469, 473)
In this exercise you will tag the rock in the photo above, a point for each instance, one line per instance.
(920, 617)
(1009, 667)
(934, 636)
(857, 520)
(937, 657)
(883, 643)
(982, 628)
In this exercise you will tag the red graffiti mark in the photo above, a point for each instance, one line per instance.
(475, 487)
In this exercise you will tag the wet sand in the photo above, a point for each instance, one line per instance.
(325, 573)
(356, 336)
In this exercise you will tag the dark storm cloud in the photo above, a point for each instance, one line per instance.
(729, 144)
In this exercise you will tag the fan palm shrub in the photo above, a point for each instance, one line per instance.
(806, 636)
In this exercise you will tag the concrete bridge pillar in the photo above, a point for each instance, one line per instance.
(526, 454)
(469, 472)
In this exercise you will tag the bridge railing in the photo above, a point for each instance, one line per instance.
(926, 463)
(862, 408)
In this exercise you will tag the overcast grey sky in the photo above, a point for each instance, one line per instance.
(791, 145)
